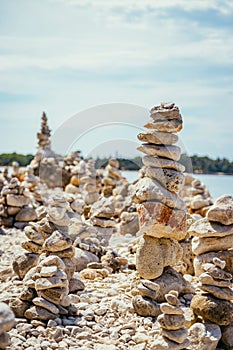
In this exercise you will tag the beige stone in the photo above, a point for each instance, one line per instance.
(17, 200)
(32, 247)
(206, 228)
(171, 179)
(222, 210)
(162, 343)
(43, 303)
(154, 254)
(203, 245)
(170, 152)
(170, 125)
(48, 271)
(52, 260)
(23, 263)
(158, 220)
(26, 214)
(58, 241)
(159, 162)
(206, 278)
(145, 307)
(169, 309)
(178, 335)
(50, 282)
(219, 292)
(147, 189)
(204, 336)
(39, 313)
(227, 256)
(158, 137)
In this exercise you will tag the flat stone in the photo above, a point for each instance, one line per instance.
(204, 336)
(171, 179)
(162, 343)
(48, 271)
(104, 208)
(158, 220)
(172, 299)
(145, 307)
(158, 137)
(171, 322)
(219, 292)
(39, 313)
(102, 222)
(154, 254)
(13, 210)
(212, 309)
(54, 295)
(178, 336)
(23, 263)
(76, 284)
(146, 292)
(169, 125)
(206, 228)
(170, 152)
(50, 282)
(7, 318)
(16, 200)
(150, 285)
(198, 202)
(222, 210)
(52, 260)
(33, 235)
(26, 214)
(166, 308)
(206, 278)
(159, 162)
(46, 305)
(203, 245)
(147, 189)
(58, 241)
(32, 247)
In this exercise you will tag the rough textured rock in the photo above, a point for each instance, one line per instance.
(222, 210)
(212, 309)
(157, 137)
(160, 162)
(204, 245)
(171, 179)
(170, 152)
(204, 336)
(158, 220)
(154, 254)
(205, 228)
(199, 260)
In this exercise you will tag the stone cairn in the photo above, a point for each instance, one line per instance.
(7, 321)
(213, 235)
(49, 277)
(162, 216)
(16, 205)
(112, 178)
(200, 199)
(173, 334)
(91, 193)
(77, 172)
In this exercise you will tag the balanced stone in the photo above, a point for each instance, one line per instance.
(219, 292)
(58, 241)
(158, 220)
(46, 305)
(159, 162)
(171, 322)
(179, 335)
(204, 336)
(163, 112)
(203, 245)
(170, 152)
(206, 228)
(169, 125)
(172, 180)
(157, 137)
(222, 210)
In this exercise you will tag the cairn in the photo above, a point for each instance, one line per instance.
(90, 183)
(7, 321)
(16, 207)
(173, 334)
(162, 216)
(200, 198)
(112, 178)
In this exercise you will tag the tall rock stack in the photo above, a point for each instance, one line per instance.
(200, 200)
(91, 194)
(213, 235)
(173, 332)
(162, 216)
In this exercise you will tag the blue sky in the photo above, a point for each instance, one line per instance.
(65, 56)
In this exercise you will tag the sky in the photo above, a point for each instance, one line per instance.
(96, 67)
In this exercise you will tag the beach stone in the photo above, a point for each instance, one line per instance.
(204, 336)
(13, 210)
(178, 336)
(206, 278)
(33, 235)
(158, 220)
(50, 282)
(205, 228)
(172, 180)
(145, 307)
(212, 309)
(19, 307)
(227, 336)
(171, 322)
(17, 200)
(169, 309)
(158, 137)
(169, 151)
(129, 223)
(4, 340)
(48, 271)
(217, 272)
(58, 241)
(226, 255)
(218, 292)
(45, 304)
(104, 208)
(154, 254)
(67, 253)
(147, 189)
(23, 263)
(54, 295)
(52, 260)
(198, 202)
(82, 258)
(159, 162)
(7, 318)
(222, 210)
(169, 125)
(26, 214)
(165, 111)
(76, 284)
(39, 313)
(204, 245)
(162, 343)
(32, 247)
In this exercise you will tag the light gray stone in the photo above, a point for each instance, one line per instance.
(222, 210)
(170, 152)
(205, 228)
(159, 162)
(204, 336)
(171, 179)
(203, 245)
(158, 137)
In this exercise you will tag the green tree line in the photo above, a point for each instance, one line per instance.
(22, 159)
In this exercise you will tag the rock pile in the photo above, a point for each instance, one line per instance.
(91, 193)
(16, 205)
(213, 235)
(173, 333)
(7, 321)
(162, 216)
(200, 199)
(112, 177)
